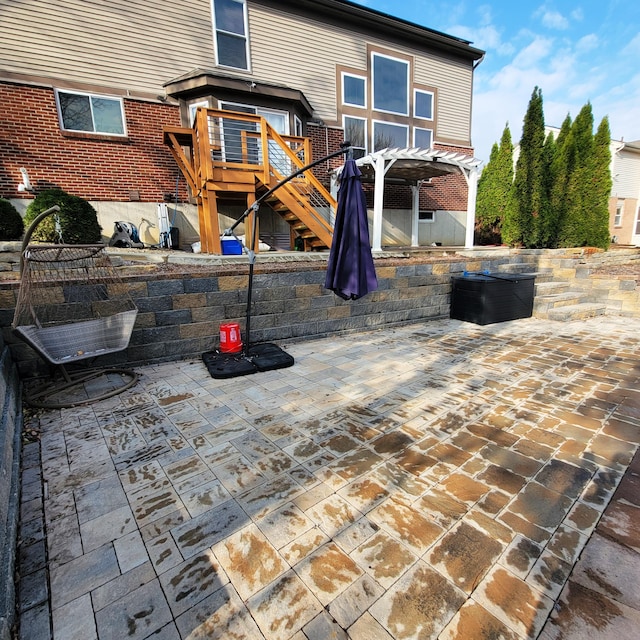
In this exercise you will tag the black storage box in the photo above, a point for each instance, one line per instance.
(485, 298)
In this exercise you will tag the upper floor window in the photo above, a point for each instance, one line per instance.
(390, 84)
(422, 138)
(423, 104)
(354, 90)
(91, 113)
(230, 29)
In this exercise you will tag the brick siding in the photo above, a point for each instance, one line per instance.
(138, 167)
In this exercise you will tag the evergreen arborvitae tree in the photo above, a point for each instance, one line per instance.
(528, 191)
(545, 223)
(574, 226)
(597, 203)
(561, 168)
(495, 191)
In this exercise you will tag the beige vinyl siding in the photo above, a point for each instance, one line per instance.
(304, 55)
(136, 46)
(626, 175)
(125, 44)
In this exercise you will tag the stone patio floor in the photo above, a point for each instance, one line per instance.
(438, 480)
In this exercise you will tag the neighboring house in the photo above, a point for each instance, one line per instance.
(624, 203)
(91, 93)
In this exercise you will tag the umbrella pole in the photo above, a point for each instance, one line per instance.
(252, 260)
(345, 147)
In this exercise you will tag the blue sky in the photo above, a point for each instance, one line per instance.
(576, 52)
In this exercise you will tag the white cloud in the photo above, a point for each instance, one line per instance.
(554, 20)
(587, 43)
(533, 53)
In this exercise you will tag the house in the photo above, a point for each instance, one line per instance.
(624, 203)
(174, 112)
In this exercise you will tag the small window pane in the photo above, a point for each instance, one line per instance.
(76, 112)
(107, 116)
(354, 91)
(354, 132)
(229, 15)
(390, 85)
(423, 138)
(232, 51)
(426, 216)
(424, 105)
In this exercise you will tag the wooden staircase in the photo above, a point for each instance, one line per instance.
(229, 155)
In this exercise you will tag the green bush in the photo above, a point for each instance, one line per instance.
(78, 219)
(11, 223)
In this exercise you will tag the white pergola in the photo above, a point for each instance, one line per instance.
(413, 167)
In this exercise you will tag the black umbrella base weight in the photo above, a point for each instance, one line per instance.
(259, 357)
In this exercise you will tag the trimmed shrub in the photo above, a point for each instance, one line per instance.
(78, 219)
(11, 223)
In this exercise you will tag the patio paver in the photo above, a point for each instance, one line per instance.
(440, 480)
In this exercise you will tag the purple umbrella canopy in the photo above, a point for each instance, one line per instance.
(350, 270)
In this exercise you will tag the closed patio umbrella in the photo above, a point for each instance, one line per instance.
(350, 270)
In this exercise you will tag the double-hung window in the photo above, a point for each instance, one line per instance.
(85, 112)
(230, 31)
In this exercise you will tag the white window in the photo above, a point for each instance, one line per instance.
(617, 222)
(427, 216)
(422, 138)
(297, 125)
(91, 113)
(390, 84)
(355, 132)
(354, 90)
(423, 104)
(193, 107)
(230, 33)
(389, 136)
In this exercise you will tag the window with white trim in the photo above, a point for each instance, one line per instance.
(388, 135)
(354, 90)
(355, 132)
(193, 108)
(390, 84)
(423, 104)
(617, 221)
(426, 216)
(86, 112)
(230, 33)
(422, 138)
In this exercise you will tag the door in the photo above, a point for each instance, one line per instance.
(238, 147)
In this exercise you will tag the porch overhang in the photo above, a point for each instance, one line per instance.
(412, 166)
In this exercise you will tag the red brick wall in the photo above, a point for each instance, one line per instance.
(138, 167)
(448, 193)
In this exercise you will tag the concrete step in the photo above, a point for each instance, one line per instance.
(550, 287)
(543, 304)
(576, 312)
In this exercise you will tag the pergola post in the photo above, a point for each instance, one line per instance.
(472, 192)
(378, 203)
(415, 213)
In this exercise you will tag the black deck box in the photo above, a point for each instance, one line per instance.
(485, 298)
